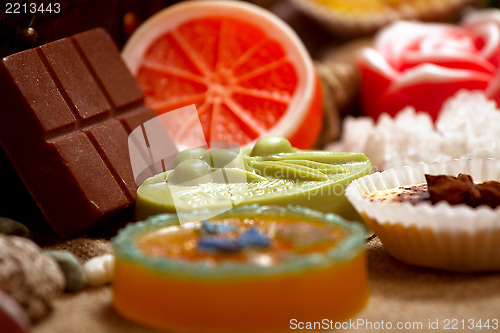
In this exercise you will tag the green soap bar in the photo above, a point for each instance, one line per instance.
(323, 167)
(281, 169)
(230, 175)
(314, 179)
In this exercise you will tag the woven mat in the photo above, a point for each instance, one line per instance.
(418, 298)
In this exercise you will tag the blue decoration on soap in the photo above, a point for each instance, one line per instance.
(208, 228)
(218, 244)
(214, 229)
(212, 242)
(252, 237)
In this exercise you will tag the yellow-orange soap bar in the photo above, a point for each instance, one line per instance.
(313, 268)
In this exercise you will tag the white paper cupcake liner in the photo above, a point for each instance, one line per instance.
(456, 238)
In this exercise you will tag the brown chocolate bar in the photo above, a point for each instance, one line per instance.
(68, 109)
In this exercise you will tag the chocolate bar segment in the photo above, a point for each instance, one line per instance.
(108, 71)
(69, 109)
(68, 69)
(35, 86)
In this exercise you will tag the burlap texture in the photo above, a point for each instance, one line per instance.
(399, 294)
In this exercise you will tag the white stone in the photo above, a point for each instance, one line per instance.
(99, 270)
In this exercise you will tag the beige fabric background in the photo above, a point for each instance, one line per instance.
(399, 293)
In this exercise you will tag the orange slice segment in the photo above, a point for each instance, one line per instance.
(246, 71)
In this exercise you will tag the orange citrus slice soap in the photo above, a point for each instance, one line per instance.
(251, 269)
(246, 71)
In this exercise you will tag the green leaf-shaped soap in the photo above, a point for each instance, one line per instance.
(314, 179)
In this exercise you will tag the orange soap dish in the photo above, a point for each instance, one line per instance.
(251, 269)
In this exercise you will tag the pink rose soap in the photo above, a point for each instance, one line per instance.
(423, 64)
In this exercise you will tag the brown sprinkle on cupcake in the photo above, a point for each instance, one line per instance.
(463, 190)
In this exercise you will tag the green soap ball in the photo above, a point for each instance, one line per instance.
(271, 145)
(188, 154)
(190, 172)
(219, 158)
(72, 269)
(12, 227)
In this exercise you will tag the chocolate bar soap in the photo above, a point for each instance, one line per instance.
(67, 110)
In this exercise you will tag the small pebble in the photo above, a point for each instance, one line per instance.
(83, 248)
(72, 269)
(99, 270)
(12, 227)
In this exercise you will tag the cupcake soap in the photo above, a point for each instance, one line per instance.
(252, 269)
(442, 215)
(443, 188)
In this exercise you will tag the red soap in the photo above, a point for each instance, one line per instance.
(13, 319)
(67, 110)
